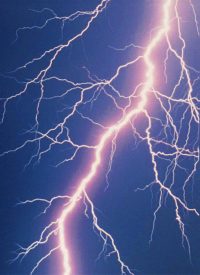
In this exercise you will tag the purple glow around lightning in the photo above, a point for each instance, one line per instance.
(137, 104)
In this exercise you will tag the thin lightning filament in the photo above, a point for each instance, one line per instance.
(137, 104)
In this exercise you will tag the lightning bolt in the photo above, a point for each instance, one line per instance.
(137, 104)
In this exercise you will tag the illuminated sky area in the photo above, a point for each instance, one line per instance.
(99, 128)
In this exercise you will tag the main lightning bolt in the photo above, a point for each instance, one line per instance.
(142, 93)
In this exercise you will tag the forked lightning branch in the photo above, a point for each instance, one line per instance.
(166, 145)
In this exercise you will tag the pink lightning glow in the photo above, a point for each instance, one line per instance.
(143, 92)
(108, 134)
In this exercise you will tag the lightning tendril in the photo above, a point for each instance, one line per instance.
(136, 105)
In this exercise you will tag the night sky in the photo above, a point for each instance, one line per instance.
(124, 212)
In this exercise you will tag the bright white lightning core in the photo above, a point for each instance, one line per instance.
(137, 104)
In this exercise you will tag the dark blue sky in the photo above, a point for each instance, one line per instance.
(127, 214)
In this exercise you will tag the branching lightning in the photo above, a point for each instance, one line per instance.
(137, 104)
